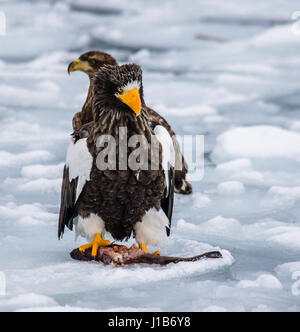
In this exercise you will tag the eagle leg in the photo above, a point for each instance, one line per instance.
(95, 245)
(146, 251)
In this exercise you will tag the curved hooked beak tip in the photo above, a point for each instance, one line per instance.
(74, 66)
(132, 99)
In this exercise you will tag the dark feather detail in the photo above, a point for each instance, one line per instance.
(83, 132)
(98, 60)
(68, 200)
(167, 203)
(120, 197)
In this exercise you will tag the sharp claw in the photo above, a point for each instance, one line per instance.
(85, 247)
(95, 245)
(146, 251)
(95, 250)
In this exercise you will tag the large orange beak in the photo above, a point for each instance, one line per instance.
(132, 99)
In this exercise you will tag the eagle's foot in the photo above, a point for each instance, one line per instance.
(146, 251)
(95, 245)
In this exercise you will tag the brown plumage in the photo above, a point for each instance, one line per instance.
(90, 63)
(119, 198)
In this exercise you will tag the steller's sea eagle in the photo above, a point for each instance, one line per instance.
(121, 201)
(90, 63)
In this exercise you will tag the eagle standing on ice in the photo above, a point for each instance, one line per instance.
(123, 202)
(90, 63)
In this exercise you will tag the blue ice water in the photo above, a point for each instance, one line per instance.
(226, 70)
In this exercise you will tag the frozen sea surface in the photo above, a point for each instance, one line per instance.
(228, 70)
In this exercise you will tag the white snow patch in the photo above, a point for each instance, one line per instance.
(231, 188)
(265, 281)
(36, 211)
(223, 225)
(214, 309)
(42, 171)
(182, 224)
(265, 142)
(283, 197)
(214, 119)
(250, 80)
(287, 269)
(295, 126)
(27, 300)
(69, 275)
(272, 234)
(44, 93)
(195, 110)
(278, 35)
(289, 239)
(233, 166)
(68, 308)
(41, 186)
(262, 308)
(201, 200)
(8, 159)
(30, 221)
(29, 134)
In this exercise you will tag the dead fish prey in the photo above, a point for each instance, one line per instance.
(119, 255)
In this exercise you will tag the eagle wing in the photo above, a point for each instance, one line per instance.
(181, 185)
(68, 200)
(168, 163)
(76, 174)
(167, 203)
(83, 132)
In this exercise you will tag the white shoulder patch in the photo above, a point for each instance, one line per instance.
(168, 150)
(79, 160)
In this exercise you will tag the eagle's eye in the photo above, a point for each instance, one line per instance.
(120, 90)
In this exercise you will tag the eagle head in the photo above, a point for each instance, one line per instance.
(119, 88)
(90, 62)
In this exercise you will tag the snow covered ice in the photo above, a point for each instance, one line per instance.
(228, 70)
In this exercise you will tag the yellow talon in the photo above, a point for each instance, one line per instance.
(95, 245)
(145, 249)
